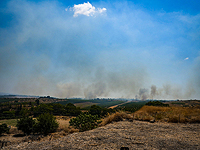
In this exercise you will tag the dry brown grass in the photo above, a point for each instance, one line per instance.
(14, 130)
(118, 116)
(169, 114)
(64, 126)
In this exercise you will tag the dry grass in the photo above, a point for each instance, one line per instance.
(118, 116)
(169, 114)
(14, 130)
(64, 126)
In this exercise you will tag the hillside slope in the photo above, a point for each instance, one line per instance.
(134, 135)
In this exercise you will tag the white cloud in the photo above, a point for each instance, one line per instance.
(186, 58)
(100, 10)
(86, 9)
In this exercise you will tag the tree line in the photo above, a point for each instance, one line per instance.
(17, 109)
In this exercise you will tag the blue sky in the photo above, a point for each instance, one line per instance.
(90, 49)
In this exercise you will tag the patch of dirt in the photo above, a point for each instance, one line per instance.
(134, 135)
(112, 107)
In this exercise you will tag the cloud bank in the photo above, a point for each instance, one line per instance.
(127, 53)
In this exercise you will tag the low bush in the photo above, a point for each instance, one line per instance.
(46, 123)
(85, 121)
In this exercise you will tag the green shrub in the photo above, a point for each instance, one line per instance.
(85, 121)
(4, 128)
(26, 124)
(46, 124)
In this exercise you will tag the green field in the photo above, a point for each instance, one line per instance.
(87, 103)
(9, 122)
(132, 106)
(84, 104)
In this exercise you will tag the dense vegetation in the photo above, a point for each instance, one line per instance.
(131, 106)
(90, 120)
(46, 123)
(11, 108)
(4, 128)
(156, 103)
(85, 121)
(99, 111)
(18, 109)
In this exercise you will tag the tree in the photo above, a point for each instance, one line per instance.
(101, 112)
(95, 110)
(46, 124)
(37, 102)
(4, 128)
(58, 109)
(24, 112)
(71, 109)
(43, 108)
(26, 124)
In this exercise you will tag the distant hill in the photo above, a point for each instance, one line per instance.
(5, 95)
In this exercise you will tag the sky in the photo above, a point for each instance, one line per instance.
(100, 49)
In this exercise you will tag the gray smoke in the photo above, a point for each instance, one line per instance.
(143, 93)
(115, 84)
(153, 91)
(95, 90)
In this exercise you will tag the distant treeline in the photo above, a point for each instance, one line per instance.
(11, 110)
(156, 103)
(18, 109)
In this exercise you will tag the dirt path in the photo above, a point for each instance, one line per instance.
(134, 135)
(112, 107)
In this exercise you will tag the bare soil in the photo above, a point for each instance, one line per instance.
(134, 135)
(112, 107)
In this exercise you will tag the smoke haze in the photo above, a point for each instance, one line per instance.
(121, 51)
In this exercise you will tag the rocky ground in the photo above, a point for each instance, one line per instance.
(134, 135)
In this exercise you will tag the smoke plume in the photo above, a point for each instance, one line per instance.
(143, 93)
